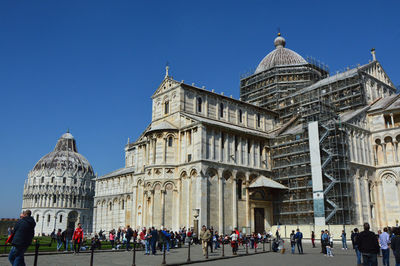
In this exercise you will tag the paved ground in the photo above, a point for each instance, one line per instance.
(311, 257)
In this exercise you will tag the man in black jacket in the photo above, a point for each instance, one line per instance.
(24, 231)
(395, 245)
(368, 245)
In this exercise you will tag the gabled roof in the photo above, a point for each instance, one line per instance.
(163, 125)
(383, 103)
(226, 125)
(263, 181)
(121, 171)
(347, 116)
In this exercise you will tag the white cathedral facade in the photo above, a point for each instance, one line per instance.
(300, 147)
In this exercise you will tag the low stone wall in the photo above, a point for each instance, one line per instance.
(336, 230)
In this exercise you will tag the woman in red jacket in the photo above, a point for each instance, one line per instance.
(77, 238)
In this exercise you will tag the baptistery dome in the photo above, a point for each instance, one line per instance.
(59, 189)
(65, 160)
(281, 56)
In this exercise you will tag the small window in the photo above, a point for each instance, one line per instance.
(236, 143)
(170, 141)
(189, 157)
(122, 204)
(221, 110)
(61, 218)
(166, 107)
(54, 199)
(222, 140)
(240, 116)
(110, 206)
(74, 200)
(75, 180)
(199, 103)
(42, 179)
(48, 218)
(248, 146)
(37, 218)
(64, 180)
(258, 120)
(52, 179)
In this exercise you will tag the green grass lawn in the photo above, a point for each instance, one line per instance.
(44, 240)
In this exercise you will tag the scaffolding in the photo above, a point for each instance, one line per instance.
(291, 165)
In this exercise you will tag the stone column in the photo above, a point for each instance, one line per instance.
(95, 218)
(164, 155)
(367, 197)
(355, 143)
(392, 120)
(221, 205)
(382, 204)
(234, 202)
(134, 222)
(375, 147)
(384, 153)
(247, 202)
(396, 155)
(358, 197)
(212, 145)
(152, 208)
(162, 207)
(239, 157)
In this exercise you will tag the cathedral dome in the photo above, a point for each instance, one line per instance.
(281, 56)
(65, 160)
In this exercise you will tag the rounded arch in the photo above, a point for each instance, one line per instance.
(387, 139)
(157, 185)
(193, 172)
(378, 141)
(211, 172)
(227, 174)
(168, 185)
(384, 174)
(183, 173)
(241, 175)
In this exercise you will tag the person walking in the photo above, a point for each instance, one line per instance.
(299, 236)
(354, 237)
(77, 238)
(147, 243)
(313, 239)
(111, 237)
(68, 239)
(395, 245)
(59, 239)
(205, 236)
(344, 241)
(234, 242)
(384, 242)
(293, 241)
(153, 240)
(21, 238)
(324, 240)
(129, 234)
(368, 245)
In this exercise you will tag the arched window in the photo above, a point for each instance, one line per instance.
(42, 179)
(110, 206)
(258, 120)
(54, 198)
(37, 218)
(48, 218)
(221, 110)
(122, 204)
(64, 180)
(61, 218)
(240, 116)
(199, 103)
(52, 179)
(166, 107)
(170, 141)
(239, 189)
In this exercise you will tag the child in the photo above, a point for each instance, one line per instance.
(329, 251)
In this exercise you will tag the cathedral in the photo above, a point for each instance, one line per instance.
(60, 189)
(300, 147)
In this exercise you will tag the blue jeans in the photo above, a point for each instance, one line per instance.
(147, 247)
(370, 259)
(68, 242)
(59, 244)
(293, 245)
(344, 244)
(16, 256)
(166, 243)
(358, 253)
(385, 257)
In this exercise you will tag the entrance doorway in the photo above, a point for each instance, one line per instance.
(259, 220)
(72, 217)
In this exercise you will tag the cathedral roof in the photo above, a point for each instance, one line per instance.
(281, 56)
(64, 160)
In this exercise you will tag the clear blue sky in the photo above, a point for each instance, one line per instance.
(92, 66)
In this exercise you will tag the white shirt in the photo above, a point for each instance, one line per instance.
(384, 240)
(234, 237)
